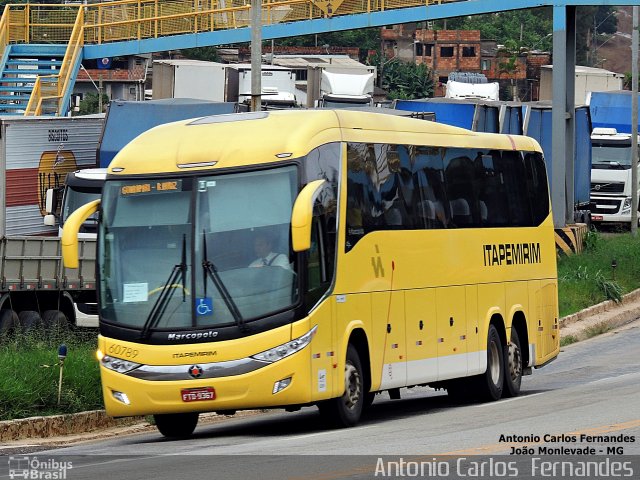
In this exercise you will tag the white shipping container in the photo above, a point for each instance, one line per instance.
(194, 79)
(36, 153)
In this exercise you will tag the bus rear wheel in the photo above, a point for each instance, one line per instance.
(176, 425)
(345, 411)
(492, 381)
(513, 367)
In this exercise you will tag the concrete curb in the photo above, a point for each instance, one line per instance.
(59, 425)
(610, 313)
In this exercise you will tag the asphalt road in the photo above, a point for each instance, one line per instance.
(592, 389)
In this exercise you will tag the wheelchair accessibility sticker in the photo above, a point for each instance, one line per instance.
(204, 306)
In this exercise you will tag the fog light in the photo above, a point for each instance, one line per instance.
(281, 385)
(121, 397)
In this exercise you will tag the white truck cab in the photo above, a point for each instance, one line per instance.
(610, 176)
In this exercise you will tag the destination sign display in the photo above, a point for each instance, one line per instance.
(151, 187)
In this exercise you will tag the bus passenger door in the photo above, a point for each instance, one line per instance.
(422, 351)
(452, 332)
(548, 332)
(387, 310)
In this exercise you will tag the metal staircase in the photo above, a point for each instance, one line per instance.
(21, 66)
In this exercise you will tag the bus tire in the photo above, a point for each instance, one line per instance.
(492, 381)
(176, 425)
(369, 397)
(345, 411)
(29, 320)
(512, 366)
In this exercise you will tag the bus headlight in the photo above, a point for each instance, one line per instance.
(286, 349)
(118, 365)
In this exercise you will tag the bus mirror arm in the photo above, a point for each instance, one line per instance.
(302, 215)
(69, 241)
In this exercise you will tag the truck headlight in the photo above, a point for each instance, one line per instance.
(118, 365)
(626, 206)
(286, 349)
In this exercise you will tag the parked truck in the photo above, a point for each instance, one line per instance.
(36, 154)
(221, 82)
(346, 90)
(611, 186)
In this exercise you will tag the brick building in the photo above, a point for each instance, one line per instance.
(447, 51)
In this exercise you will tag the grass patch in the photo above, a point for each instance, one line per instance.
(568, 340)
(596, 330)
(29, 374)
(588, 278)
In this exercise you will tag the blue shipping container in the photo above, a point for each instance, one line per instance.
(611, 110)
(127, 120)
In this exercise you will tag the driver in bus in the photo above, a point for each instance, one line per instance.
(263, 248)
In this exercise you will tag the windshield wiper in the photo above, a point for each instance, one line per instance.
(160, 305)
(210, 270)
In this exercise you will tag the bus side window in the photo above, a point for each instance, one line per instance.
(537, 186)
(321, 255)
(429, 178)
(516, 184)
(461, 188)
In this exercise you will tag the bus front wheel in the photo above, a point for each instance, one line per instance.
(345, 411)
(176, 425)
(492, 381)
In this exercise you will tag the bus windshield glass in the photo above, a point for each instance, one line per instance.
(197, 252)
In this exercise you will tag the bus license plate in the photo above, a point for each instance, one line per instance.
(198, 394)
(597, 218)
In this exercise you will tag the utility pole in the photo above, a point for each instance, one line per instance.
(100, 93)
(256, 55)
(634, 124)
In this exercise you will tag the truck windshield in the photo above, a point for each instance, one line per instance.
(214, 249)
(608, 156)
(75, 197)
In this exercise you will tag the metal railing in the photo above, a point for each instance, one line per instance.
(142, 19)
(126, 20)
(49, 90)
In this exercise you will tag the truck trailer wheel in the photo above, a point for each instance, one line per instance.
(8, 322)
(55, 321)
(176, 425)
(29, 320)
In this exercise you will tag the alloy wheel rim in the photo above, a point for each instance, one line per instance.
(352, 386)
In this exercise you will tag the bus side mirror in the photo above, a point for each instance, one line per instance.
(69, 241)
(302, 215)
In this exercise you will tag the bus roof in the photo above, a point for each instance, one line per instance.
(243, 139)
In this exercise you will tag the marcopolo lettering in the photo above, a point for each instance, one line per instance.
(192, 336)
(511, 254)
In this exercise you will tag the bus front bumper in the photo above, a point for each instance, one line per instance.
(286, 382)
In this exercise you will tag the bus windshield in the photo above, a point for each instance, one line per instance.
(197, 252)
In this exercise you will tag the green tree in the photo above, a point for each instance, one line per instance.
(89, 104)
(209, 54)
(628, 81)
(406, 80)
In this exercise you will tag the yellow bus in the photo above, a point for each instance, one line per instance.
(318, 257)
